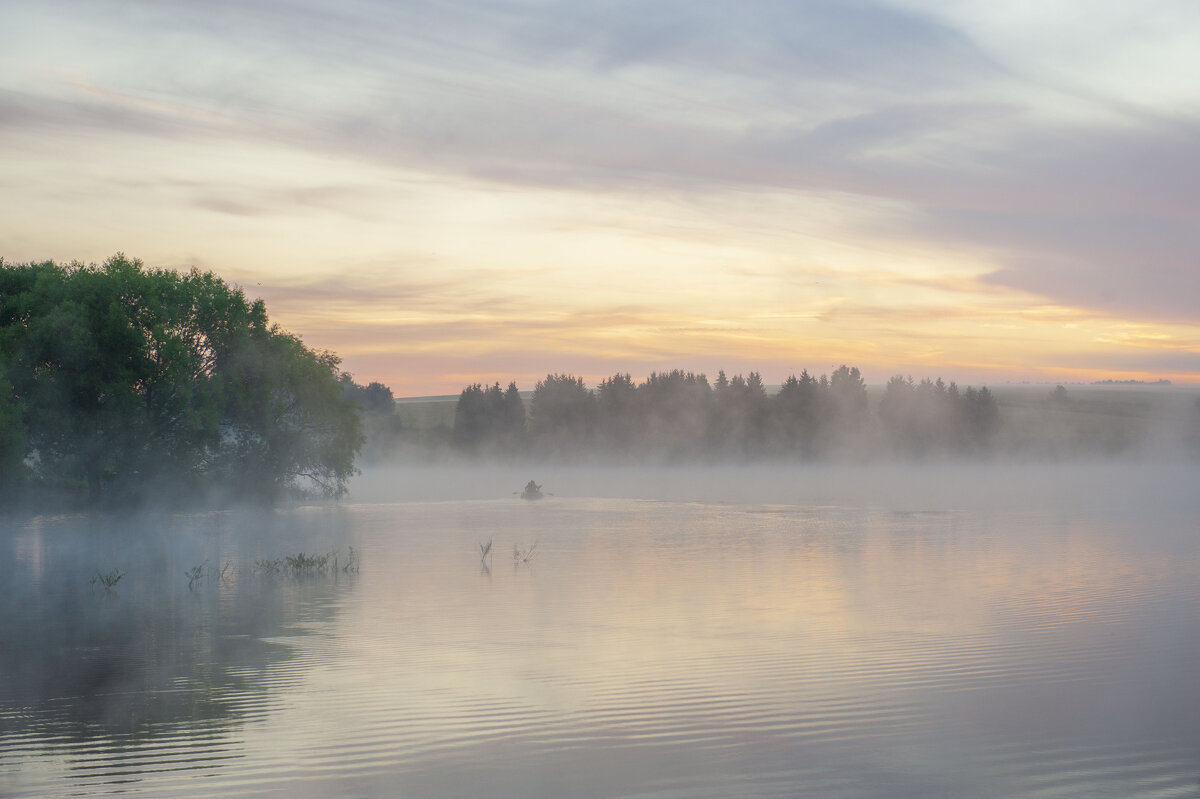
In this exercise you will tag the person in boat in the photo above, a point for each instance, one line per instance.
(532, 487)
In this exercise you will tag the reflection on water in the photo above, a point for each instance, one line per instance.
(648, 648)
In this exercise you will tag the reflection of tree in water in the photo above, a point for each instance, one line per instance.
(151, 657)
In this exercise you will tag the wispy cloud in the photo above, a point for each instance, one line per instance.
(916, 159)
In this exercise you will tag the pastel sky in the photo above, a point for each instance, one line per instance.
(451, 192)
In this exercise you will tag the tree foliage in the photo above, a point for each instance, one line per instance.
(933, 418)
(382, 426)
(489, 419)
(798, 408)
(679, 416)
(562, 416)
(123, 380)
(675, 415)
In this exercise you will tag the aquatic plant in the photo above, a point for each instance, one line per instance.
(107, 580)
(198, 573)
(485, 549)
(268, 567)
(523, 555)
(195, 573)
(351, 564)
(304, 564)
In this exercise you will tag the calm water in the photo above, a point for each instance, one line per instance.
(688, 638)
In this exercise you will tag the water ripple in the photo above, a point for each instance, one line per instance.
(651, 649)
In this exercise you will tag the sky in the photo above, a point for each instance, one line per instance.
(445, 193)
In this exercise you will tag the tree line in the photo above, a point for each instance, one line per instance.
(121, 381)
(680, 416)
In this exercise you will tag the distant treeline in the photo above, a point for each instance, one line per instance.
(680, 416)
(1110, 382)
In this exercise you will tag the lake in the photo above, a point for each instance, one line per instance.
(960, 630)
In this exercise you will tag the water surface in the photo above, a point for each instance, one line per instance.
(715, 641)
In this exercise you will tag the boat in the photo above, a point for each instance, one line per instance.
(532, 491)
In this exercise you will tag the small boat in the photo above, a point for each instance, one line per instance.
(532, 491)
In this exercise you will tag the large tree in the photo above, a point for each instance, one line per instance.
(124, 379)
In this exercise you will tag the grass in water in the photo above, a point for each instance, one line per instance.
(521, 555)
(195, 573)
(108, 580)
(304, 564)
(351, 564)
(268, 567)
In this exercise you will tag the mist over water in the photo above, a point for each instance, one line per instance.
(1147, 487)
(890, 629)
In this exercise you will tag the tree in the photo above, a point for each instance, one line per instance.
(286, 422)
(374, 397)
(12, 441)
(382, 425)
(848, 391)
(101, 372)
(618, 421)
(982, 416)
(797, 413)
(470, 417)
(739, 416)
(512, 417)
(675, 414)
(489, 418)
(896, 413)
(562, 415)
(923, 419)
(125, 379)
(845, 409)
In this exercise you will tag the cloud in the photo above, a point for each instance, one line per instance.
(485, 89)
(1152, 364)
(404, 287)
(1083, 199)
(222, 205)
(27, 112)
(762, 40)
(353, 201)
(1095, 219)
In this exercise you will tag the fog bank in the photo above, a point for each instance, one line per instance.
(1139, 487)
